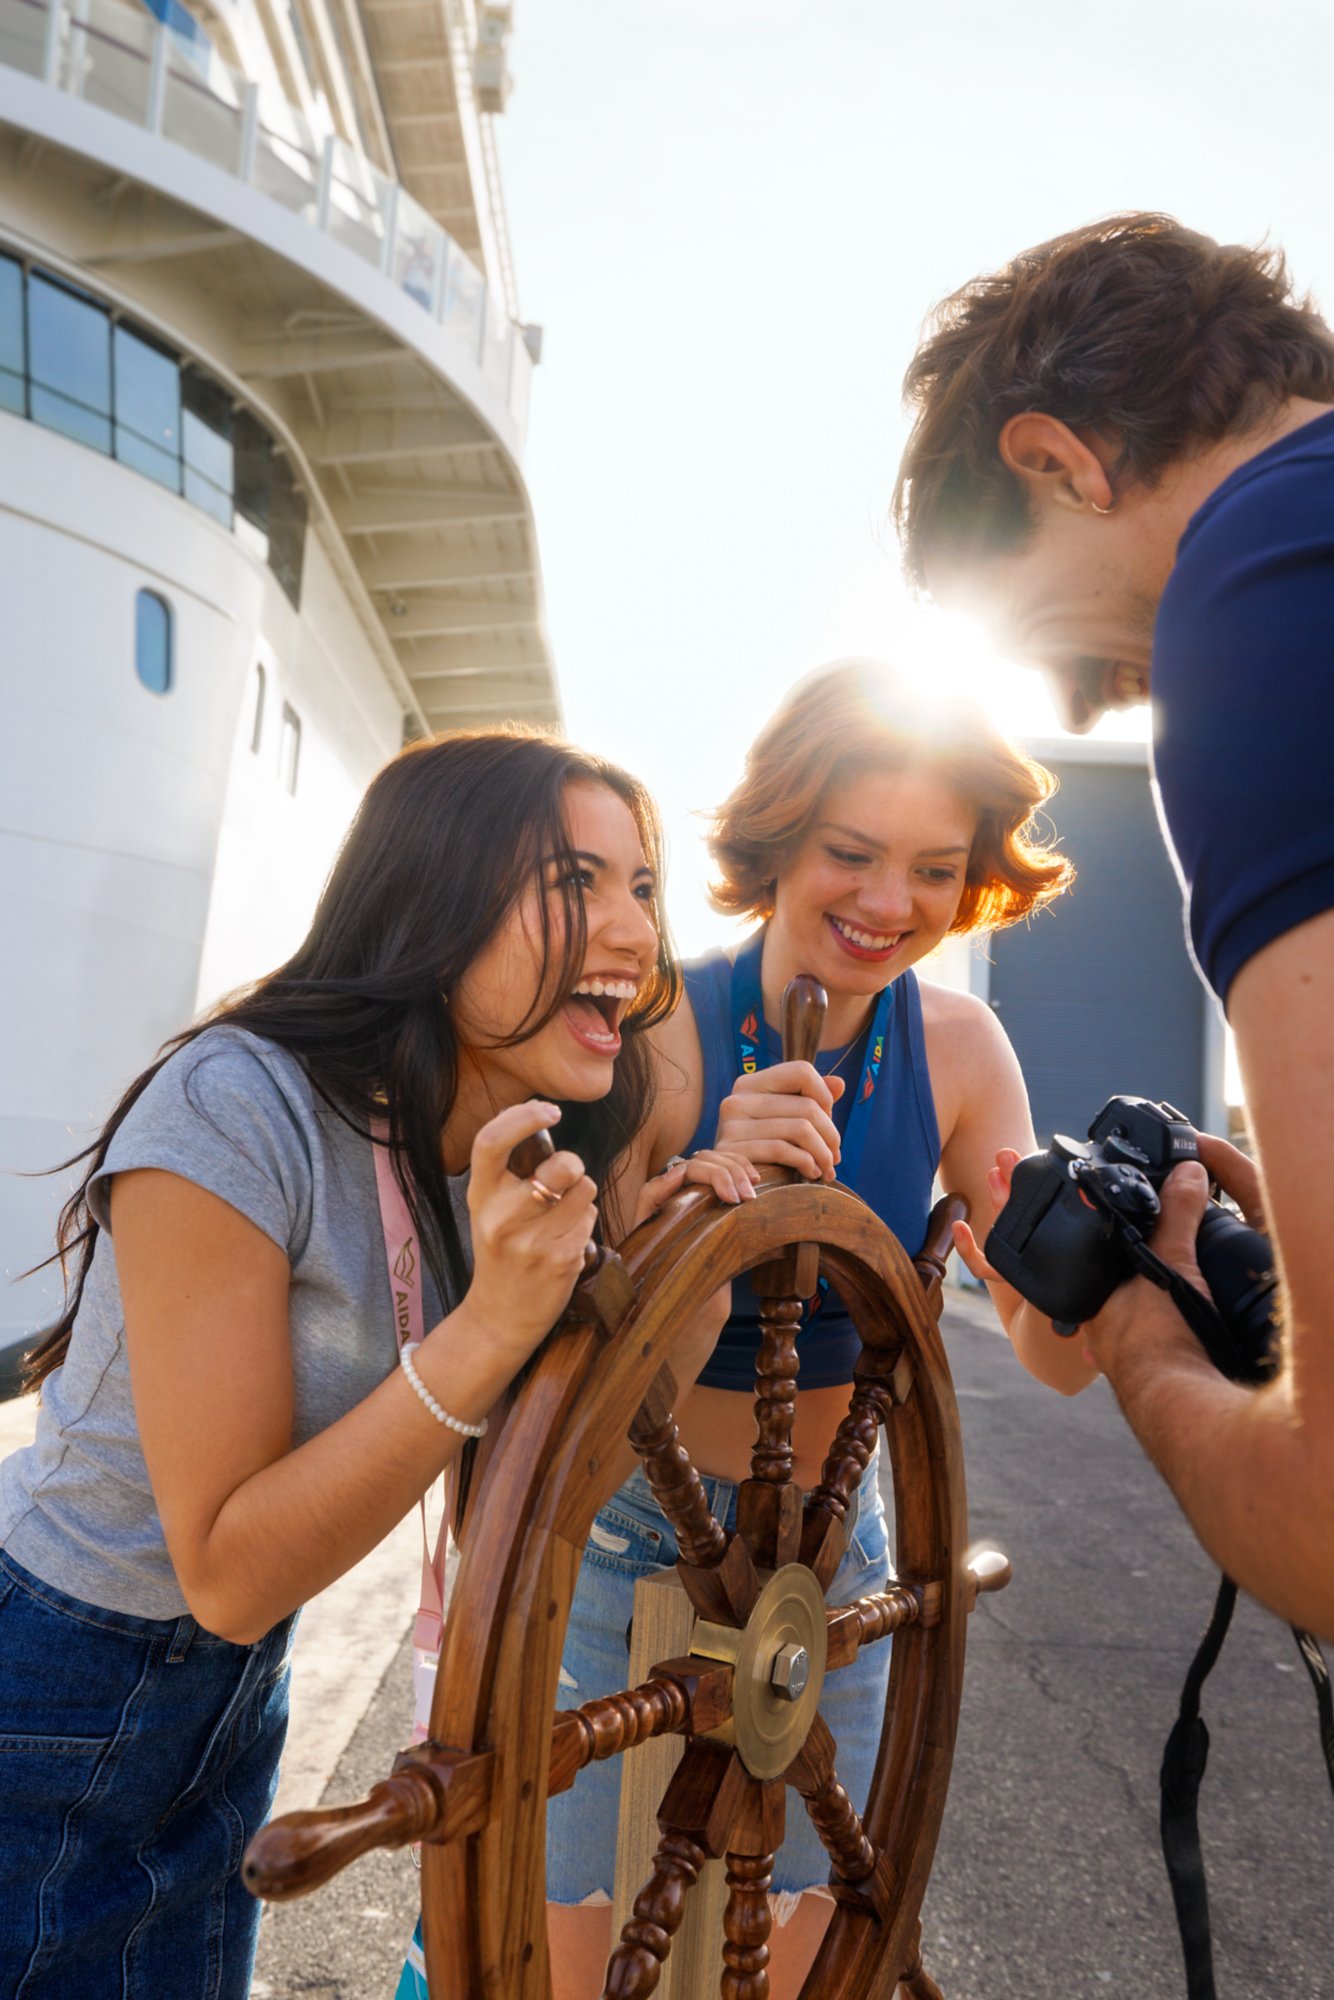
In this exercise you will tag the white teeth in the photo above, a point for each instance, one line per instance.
(865, 939)
(613, 989)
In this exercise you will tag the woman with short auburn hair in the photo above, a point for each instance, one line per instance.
(869, 825)
(848, 718)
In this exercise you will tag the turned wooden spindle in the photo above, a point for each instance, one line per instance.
(840, 1828)
(613, 1723)
(824, 1530)
(635, 1966)
(747, 1922)
(850, 1453)
(776, 1390)
(769, 1505)
(831, 1811)
(685, 1697)
(867, 1619)
(689, 1696)
(886, 1611)
(677, 1488)
(754, 1836)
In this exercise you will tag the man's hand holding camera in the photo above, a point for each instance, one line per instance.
(1139, 1336)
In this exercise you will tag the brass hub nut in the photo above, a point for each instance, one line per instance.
(791, 1671)
(770, 1722)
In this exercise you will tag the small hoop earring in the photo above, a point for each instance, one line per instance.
(1102, 510)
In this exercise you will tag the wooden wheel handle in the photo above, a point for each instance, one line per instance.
(604, 1293)
(303, 1850)
(805, 1004)
(433, 1794)
(534, 1152)
(988, 1570)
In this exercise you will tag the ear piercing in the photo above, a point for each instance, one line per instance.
(1102, 510)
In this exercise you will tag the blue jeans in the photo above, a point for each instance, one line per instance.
(137, 1758)
(630, 1538)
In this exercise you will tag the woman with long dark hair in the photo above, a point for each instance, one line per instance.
(301, 1277)
(869, 825)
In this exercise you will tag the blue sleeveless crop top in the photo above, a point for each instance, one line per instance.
(895, 1177)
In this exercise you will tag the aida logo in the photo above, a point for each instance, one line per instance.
(405, 1266)
(873, 1068)
(749, 1034)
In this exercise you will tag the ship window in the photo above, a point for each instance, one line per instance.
(289, 755)
(121, 391)
(206, 438)
(152, 641)
(70, 347)
(13, 359)
(257, 721)
(254, 480)
(148, 407)
(287, 529)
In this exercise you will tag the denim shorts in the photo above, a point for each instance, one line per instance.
(137, 1758)
(630, 1538)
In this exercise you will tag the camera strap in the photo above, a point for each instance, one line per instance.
(1199, 1312)
(1187, 1750)
(1184, 1759)
(1183, 1766)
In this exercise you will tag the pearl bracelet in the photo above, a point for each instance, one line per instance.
(441, 1416)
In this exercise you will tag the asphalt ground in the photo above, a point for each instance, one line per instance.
(1048, 1881)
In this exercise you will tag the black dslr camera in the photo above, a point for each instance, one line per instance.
(1075, 1225)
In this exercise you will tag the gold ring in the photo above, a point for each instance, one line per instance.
(539, 1190)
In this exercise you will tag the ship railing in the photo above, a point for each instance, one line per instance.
(124, 60)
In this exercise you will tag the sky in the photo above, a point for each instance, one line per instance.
(731, 217)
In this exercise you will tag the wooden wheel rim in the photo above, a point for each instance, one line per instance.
(485, 1919)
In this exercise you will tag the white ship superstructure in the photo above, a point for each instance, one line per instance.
(263, 393)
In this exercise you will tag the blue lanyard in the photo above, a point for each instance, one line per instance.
(748, 1021)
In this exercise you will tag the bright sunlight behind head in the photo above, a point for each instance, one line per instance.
(732, 221)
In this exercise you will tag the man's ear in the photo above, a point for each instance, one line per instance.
(1054, 463)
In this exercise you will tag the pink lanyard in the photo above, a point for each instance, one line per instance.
(402, 1254)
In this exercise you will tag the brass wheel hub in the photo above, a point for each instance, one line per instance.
(779, 1658)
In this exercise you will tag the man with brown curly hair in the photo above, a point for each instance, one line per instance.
(1123, 457)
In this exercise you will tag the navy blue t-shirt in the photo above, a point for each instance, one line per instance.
(1243, 703)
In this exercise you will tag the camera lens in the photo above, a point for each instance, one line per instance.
(1237, 1264)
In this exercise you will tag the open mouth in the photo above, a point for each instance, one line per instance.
(1124, 685)
(1094, 685)
(868, 945)
(595, 1009)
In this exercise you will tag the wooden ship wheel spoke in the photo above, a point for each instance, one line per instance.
(743, 1696)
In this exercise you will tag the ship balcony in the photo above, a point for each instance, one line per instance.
(349, 317)
(122, 59)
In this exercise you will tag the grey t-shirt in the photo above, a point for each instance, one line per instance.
(236, 1115)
